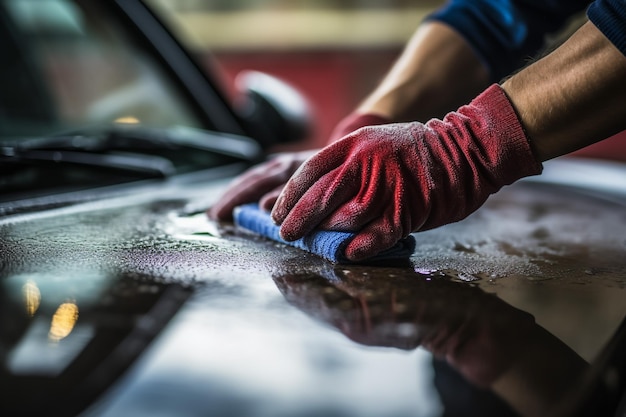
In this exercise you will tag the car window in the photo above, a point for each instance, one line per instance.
(97, 94)
(68, 67)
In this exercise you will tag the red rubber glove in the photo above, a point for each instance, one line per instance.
(384, 182)
(353, 122)
(262, 183)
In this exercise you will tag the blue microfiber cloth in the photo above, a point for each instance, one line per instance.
(327, 244)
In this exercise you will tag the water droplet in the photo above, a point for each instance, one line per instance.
(463, 276)
(459, 247)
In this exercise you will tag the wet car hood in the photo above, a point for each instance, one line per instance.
(139, 305)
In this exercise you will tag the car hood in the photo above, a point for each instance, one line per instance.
(139, 305)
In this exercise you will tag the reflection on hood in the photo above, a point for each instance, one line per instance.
(489, 342)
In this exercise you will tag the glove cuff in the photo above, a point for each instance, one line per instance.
(504, 141)
(356, 121)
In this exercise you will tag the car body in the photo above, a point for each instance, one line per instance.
(119, 297)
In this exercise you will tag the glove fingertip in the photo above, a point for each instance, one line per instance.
(219, 212)
(356, 251)
(295, 226)
(276, 214)
(281, 207)
(369, 243)
(288, 234)
(268, 200)
(267, 204)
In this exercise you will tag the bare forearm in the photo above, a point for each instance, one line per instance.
(573, 97)
(437, 72)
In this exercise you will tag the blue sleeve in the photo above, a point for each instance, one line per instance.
(506, 33)
(609, 16)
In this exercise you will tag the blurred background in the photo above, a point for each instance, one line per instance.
(333, 51)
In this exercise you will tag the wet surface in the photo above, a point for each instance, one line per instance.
(194, 316)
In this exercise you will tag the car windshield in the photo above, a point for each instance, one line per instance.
(89, 99)
(64, 66)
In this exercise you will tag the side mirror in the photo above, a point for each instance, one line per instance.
(274, 111)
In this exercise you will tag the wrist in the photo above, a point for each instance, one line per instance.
(573, 97)
(496, 138)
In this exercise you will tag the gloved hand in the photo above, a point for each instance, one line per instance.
(353, 122)
(262, 183)
(384, 182)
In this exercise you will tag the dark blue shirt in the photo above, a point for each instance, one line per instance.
(507, 33)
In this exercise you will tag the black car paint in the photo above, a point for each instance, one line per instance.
(181, 316)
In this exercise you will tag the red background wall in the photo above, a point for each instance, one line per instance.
(333, 81)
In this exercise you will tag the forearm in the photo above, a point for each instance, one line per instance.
(437, 72)
(573, 97)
